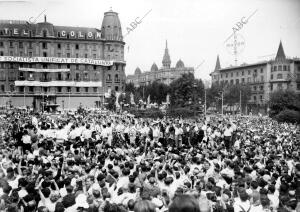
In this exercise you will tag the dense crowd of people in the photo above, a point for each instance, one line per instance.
(103, 161)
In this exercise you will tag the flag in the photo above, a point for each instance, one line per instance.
(132, 99)
(117, 99)
(168, 99)
(148, 100)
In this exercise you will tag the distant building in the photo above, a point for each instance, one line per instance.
(166, 74)
(263, 77)
(43, 64)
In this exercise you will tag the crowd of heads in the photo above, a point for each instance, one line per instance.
(103, 161)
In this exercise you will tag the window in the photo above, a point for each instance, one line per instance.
(95, 67)
(11, 44)
(254, 87)
(243, 80)
(261, 70)
(44, 54)
(77, 55)
(86, 89)
(117, 78)
(68, 46)
(237, 74)
(59, 76)
(261, 78)
(254, 97)
(226, 75)
(237, 81)
(261, 87)
(77, 77)
(95, 90)
(44, 33)
(94, 56)
(249, 72)
(231, 74)
(86, 76)
(77, 89)
(275, 68)
(271, 87)
(242, 73)
(221, 75)
(68, 76)
(68, 66)
(271, 76)
(298, 86)
(21, 89)
(59, 46)
(86, 55)
(279, 76)
(1, 54)
(284, 68)
(1, 44)
(69, 89)
(30, 45)
(261, 98)
(231, 81)
(11, 53)
(58, 54)
(2, 88)
(68, 55)
(279, 86)
(77, 67)
(280, 68)
(44, 45)
(31, 89)
(59, 89)
(108, 78)
(77, 46)
(117, 88)
(30, 54)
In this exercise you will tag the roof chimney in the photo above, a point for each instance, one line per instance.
(45, 18)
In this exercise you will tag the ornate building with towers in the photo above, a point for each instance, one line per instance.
(166, 74)
(43, 65)
(263, 77)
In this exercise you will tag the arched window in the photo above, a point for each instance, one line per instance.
(116, 77)
(44, 33)
(108, 77)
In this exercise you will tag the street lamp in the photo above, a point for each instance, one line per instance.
(194, 86)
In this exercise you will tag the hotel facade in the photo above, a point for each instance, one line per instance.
(263, 78)
(43, 65)
(166, 74)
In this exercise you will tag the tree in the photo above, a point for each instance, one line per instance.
(186, 90)
(283, 100)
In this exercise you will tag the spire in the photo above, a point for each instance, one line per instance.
(218, 66)
(280, 53)
(166, 59)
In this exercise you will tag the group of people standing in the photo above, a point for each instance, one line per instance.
(113, 162)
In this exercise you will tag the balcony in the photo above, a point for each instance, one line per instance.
(117, 80)
(45, 80)
(108, 81)
(30, 79)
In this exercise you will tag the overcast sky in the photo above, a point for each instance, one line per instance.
(195, 29)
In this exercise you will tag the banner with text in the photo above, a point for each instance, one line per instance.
(56, 60)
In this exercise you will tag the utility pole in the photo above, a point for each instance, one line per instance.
(240, 102)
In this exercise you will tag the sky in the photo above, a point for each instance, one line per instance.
(196, 30)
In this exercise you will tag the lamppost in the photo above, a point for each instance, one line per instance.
(195, 102)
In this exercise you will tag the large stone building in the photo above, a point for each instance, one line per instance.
(166, 74)
(42, 64)
(263, 77)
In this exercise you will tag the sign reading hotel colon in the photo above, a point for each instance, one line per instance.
(56, 60)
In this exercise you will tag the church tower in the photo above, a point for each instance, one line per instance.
(166, 59)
